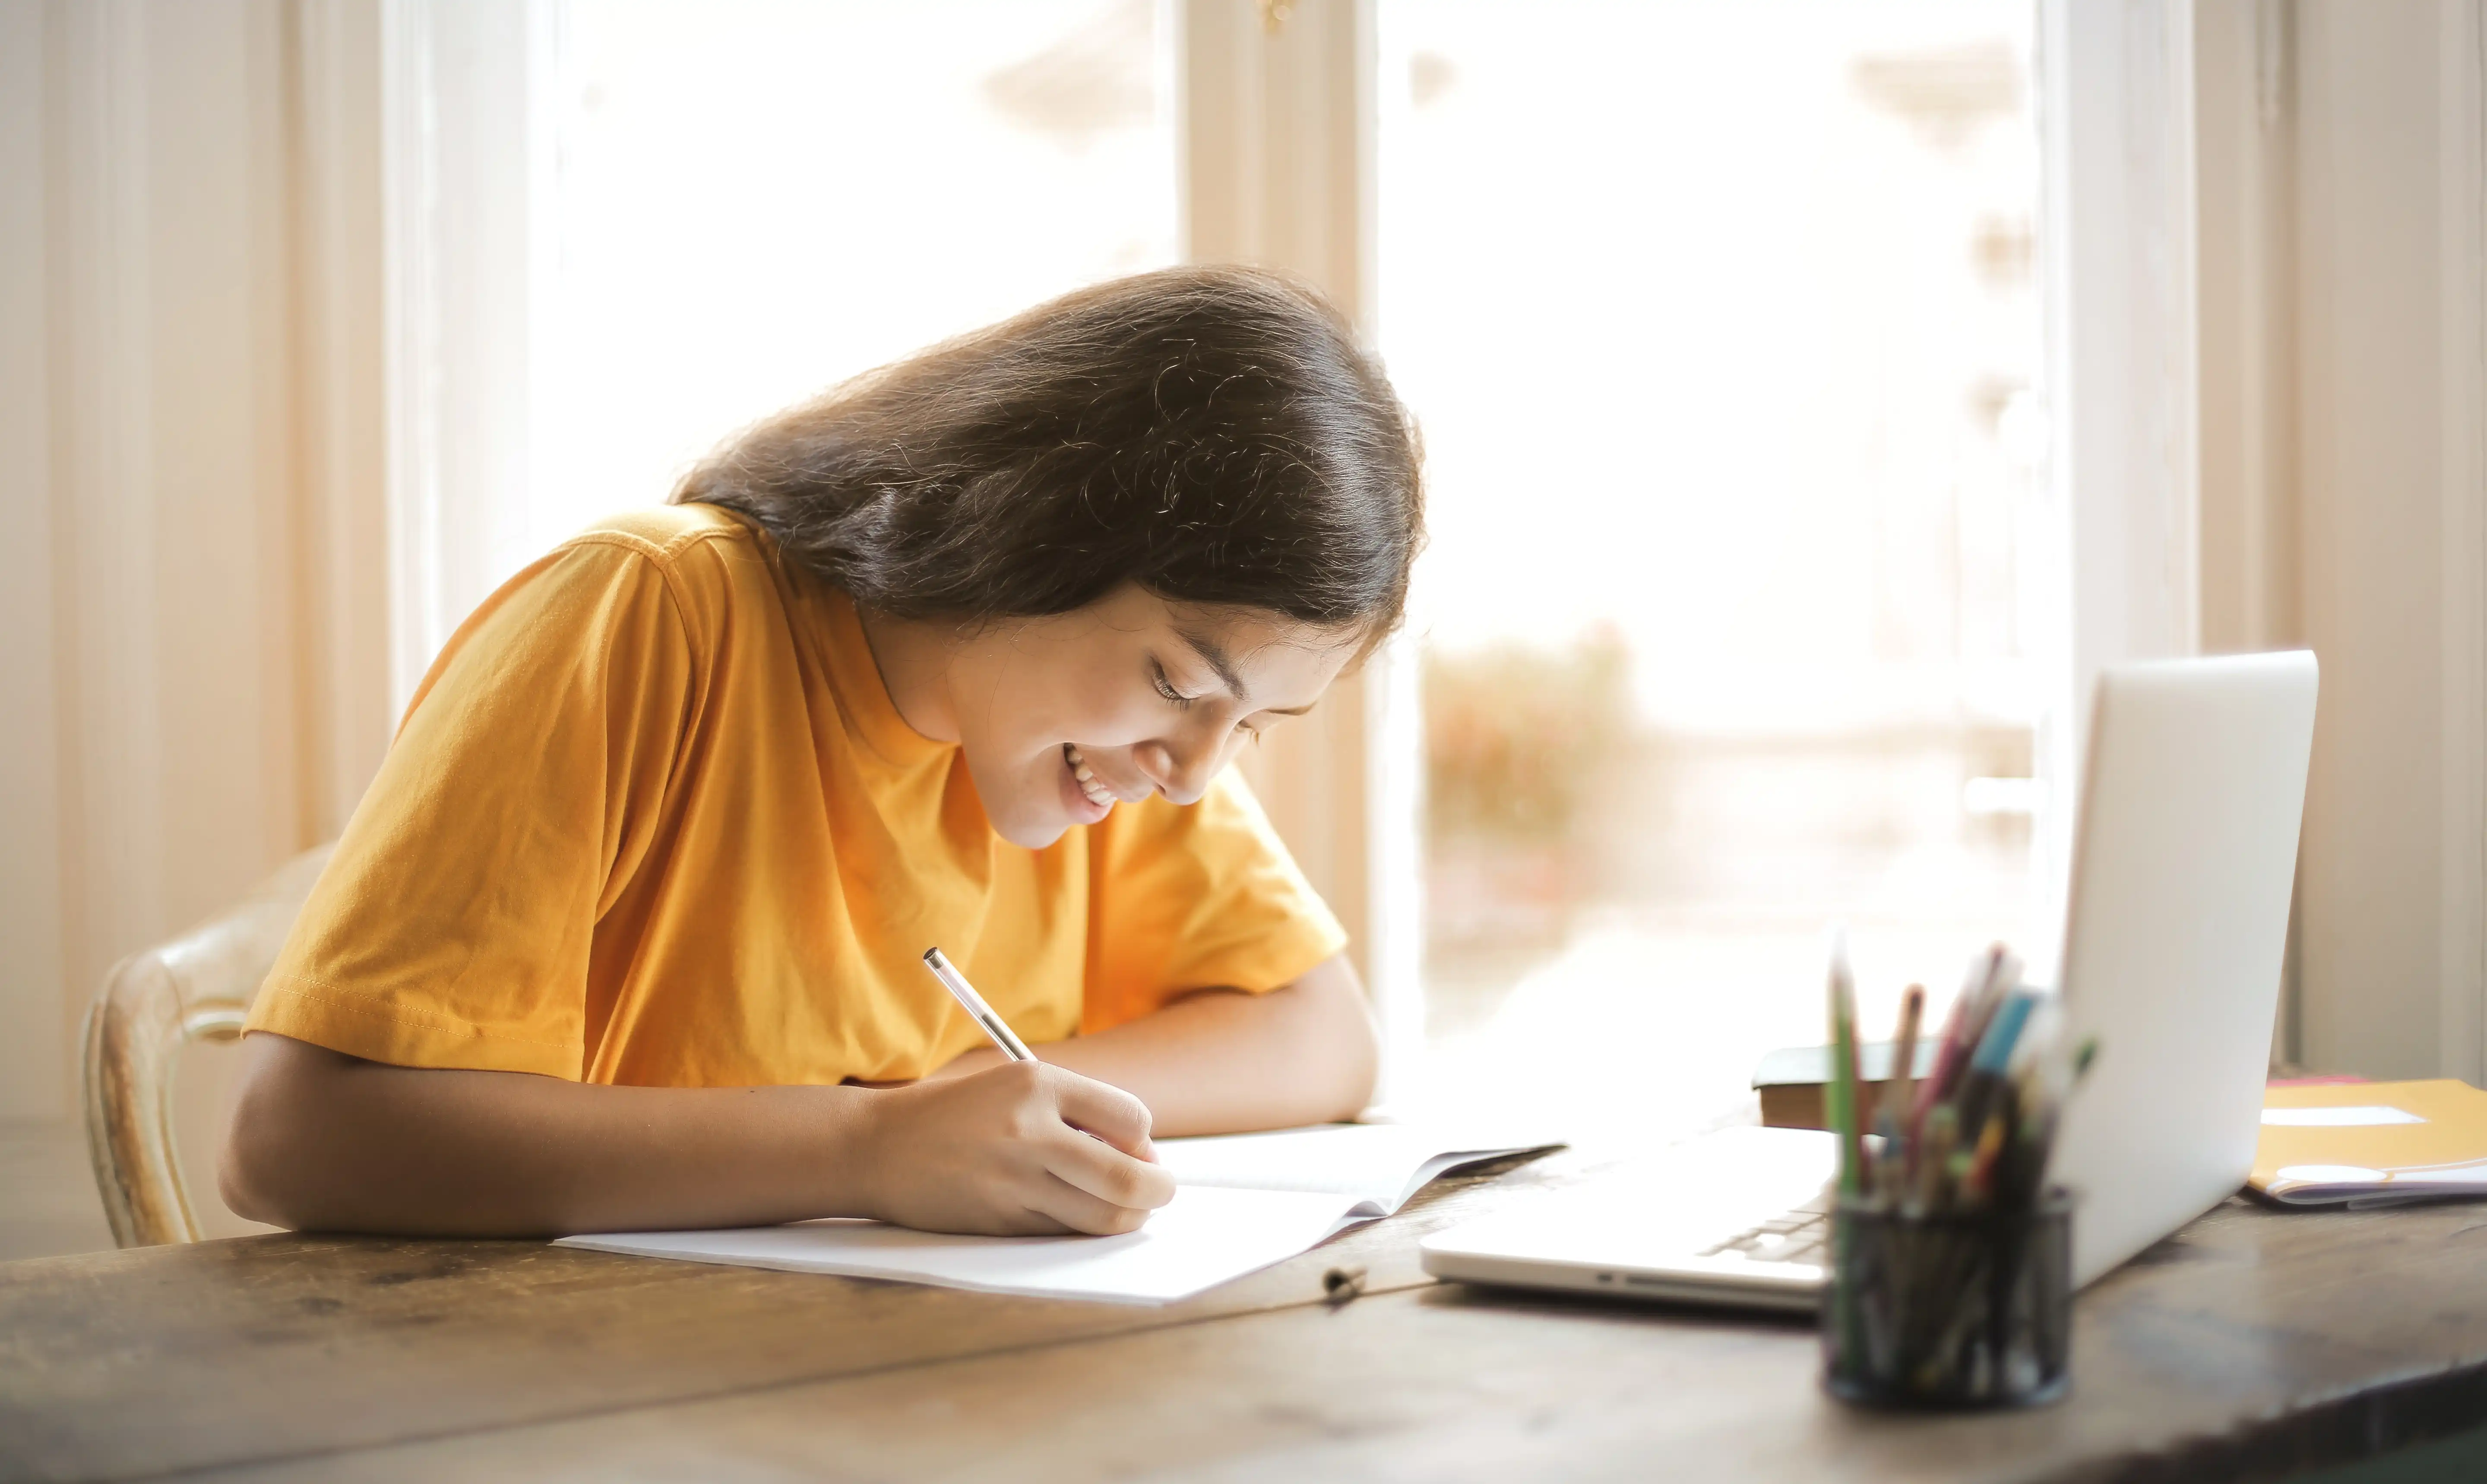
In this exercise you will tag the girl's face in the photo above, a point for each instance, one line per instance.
(1063, 718)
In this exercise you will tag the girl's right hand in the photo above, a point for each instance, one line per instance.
(1008, 1152)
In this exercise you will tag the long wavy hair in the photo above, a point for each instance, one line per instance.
(1213, 434)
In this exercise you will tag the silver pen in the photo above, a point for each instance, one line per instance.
(977, 1010)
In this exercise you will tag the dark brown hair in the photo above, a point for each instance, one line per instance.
(1214, 434)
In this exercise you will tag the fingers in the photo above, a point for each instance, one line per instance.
(1108, 1111)
(1077, 1210)
(1020, 1149)
(1116, 1165)
(1108, 1174)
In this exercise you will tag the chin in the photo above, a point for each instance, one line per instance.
(1031, 834)
(1035, 807)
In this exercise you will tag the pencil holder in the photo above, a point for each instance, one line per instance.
(1955, 1310)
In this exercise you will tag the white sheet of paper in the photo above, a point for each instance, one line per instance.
(1205, 1236)
(2364, 1116)
(1381, 1163)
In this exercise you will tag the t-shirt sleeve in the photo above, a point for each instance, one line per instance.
(453, 926)
(1203, 897)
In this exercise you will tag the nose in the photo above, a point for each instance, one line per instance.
(1179, 767)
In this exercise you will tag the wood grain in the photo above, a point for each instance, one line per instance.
(348, 1342)
(2252, 1343)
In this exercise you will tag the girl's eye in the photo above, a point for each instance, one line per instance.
(1165, 687)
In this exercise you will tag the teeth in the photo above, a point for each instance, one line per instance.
(1095, 792)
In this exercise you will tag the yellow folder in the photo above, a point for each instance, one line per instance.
(2372, 1143)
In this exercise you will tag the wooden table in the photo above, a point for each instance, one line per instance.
(2249, 1344)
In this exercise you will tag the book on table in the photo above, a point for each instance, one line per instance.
(2328, 1140)
(2371, 1143)
(1790, 1079)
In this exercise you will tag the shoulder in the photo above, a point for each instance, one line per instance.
(707, 560)
(667, 535)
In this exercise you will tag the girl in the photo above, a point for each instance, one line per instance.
(627, 933)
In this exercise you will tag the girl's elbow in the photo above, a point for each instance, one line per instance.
(1355, 1061)
(1366, 1072)
(264, 1169)
(241, 1185)
(260, 1179)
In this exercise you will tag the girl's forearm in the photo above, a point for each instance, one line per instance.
(321, 1140)
(325, 1141)
(1225, 1063)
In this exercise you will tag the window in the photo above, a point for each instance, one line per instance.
(750, 201)
(723, 208)
(1722, 325)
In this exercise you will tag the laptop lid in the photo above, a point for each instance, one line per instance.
(2176, 925)
(2183, 865)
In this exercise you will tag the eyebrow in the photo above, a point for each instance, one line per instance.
(1213, 654)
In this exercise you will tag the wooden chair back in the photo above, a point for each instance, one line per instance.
(198, 987)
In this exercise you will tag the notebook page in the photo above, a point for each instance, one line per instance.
(1204, 1237)
(1380, 1165)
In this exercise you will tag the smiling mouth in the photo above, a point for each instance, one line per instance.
(1097, 793)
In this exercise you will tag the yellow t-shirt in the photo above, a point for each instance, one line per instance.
(652, 820)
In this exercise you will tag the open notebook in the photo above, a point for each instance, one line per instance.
(1241, 1203)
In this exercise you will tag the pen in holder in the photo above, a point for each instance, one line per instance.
(1950, 1308)
(1950, 1255)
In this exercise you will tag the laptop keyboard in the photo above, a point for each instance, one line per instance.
(1800, 1235)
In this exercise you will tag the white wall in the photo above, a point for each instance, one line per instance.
(32, 1065)
(187, 592)
(2388, 197)
(2344, 417)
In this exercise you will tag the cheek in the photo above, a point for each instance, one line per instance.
(1036, 712)
(1235, 746)
(1099, 711)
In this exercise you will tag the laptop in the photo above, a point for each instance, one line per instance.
(2184, 855)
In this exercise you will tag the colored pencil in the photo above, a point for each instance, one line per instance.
(1898, 1093)
(1932, 1083)
(1958, 1030)
(1843, 1102)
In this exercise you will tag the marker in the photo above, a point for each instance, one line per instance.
(2003, 977)
(1985, 1078)
(1929, 1087)
(1959, 1034)
(1993, 1051)
(977, 1010)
